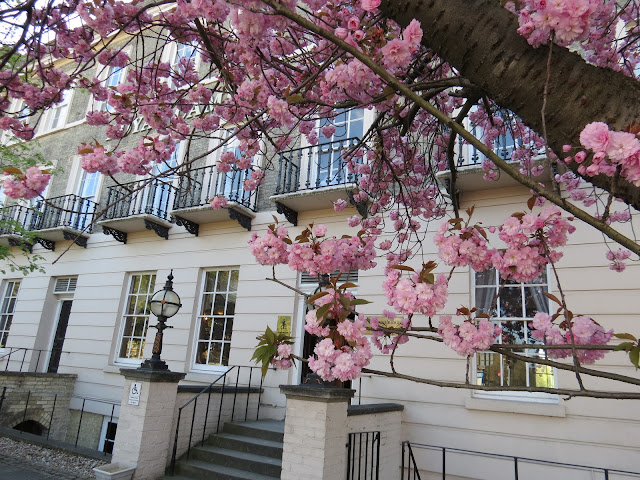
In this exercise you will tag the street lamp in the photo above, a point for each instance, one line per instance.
(164, 304)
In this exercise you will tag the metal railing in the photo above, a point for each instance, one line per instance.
(15, 360)
(206, 422)
(314, 167)
(66, 211)
(468, 155)
(202, 184)
(517, 465)
(363, 456)
(151, 197)
(36, 401)
(15, 216)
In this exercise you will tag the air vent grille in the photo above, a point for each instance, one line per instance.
(65, 285)
(351, 276)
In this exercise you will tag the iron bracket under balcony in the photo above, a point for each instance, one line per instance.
(192, 217)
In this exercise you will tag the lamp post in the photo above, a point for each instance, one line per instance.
(164, 304)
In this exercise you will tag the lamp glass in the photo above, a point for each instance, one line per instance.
(165, 303)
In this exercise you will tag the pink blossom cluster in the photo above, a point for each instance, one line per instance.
(469, 337)
(583, 331)
(460, 248)
(282, 360)
(617, 259)
(270, 249)
(218, 202)
(386, 342)
(414, 294)
(612, 150)
(567, 20)
(336, 361)
(28, 185)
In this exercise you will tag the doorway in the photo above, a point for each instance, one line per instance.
(58, 339)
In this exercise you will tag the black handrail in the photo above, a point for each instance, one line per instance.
(6, 396)
(200, 185)
(16, 351)
(208, 390)
(517, 461)
(70, 211)
(324, 167)
(150, 197)
(469, 155)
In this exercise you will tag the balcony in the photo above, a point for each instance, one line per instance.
(68, 217)
(191, 207)
(312, 177)
(14, 220)
(138, 206)
(469, 164)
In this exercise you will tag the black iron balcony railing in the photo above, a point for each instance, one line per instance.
(15, 217)
(468, 155)
(314, 167)
(150, 197)
(69, 211)
(202, 184)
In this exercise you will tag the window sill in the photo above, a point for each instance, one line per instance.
(522, 407)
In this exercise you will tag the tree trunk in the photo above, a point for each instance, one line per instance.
(479, 38)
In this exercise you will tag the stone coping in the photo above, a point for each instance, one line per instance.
(40, 374)
(317, 393)
(152, 375)
(54, 444)
(374, 408)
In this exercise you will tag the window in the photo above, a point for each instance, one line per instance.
(56, 116)
(135, 320)
(113, 78)
(512, 310)
(108, 434)
(215, 318)
(8, 307)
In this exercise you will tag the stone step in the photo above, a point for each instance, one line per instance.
(199, 470)
(238, 459)
(258, 446)
(265, 429)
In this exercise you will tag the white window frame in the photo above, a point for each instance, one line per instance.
(104, 73)
(125, 314)
(538, 397)
(50, 115)
(8, 308)
(7, 137)
(103, 431)
(199, 315)
(170, 55)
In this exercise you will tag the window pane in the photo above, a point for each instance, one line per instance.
(8, 307)
(223, 281)
(487, 277)
(513, 332)
(515, 373)
(135, 320)
(510, 302)
(535, 301)
(231, 304)
(488, 369)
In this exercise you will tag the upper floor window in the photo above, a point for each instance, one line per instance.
(512, 306)
(56, 116)
(9, 297)
(114, 77)
(135, 319)
(215, 317)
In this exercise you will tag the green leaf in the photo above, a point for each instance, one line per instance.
(322, 311)
(318, 295)
(625, 336)
(345, 302)
(623, 346)
(359, 301)
(634, 356)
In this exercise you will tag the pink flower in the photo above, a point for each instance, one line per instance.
(320, 231)
(284, 350)
(413, 32)
(369, 5)
(341, 33)
(353, 221)
(218, 202)
(353, 23)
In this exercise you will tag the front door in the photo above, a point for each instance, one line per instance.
(58, 339)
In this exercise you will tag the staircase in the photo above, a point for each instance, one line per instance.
(243, 451)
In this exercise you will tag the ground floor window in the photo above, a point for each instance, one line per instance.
(135, 320)
(215, 317)
(512, 305)
(9, 298)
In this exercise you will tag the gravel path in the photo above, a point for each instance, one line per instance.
(55, 463)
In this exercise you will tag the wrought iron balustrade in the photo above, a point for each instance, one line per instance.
(15, 216)
(69, 211)
(142, 197)
(468, 155)
(518, 466)
(21, 359)
(363, 456)
(202, 184)
(314, 167)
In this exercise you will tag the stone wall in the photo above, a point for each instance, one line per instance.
(40, 397)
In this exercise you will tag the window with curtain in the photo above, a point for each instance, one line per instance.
(512, 306)
(9, 298)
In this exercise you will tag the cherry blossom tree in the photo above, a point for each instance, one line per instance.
(557, 76)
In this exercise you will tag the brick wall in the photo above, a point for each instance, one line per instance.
(39, 397)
